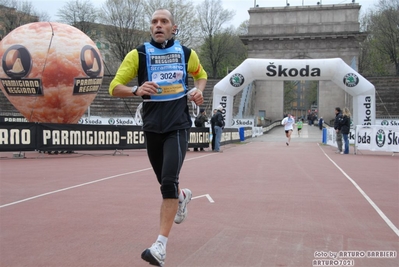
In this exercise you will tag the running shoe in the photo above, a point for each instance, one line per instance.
(155, 255)
(182, 210)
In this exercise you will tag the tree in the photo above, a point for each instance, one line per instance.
(226, 51)
(212, 17)
(124, 22)
(15, 13)
(290, 88)
(43, 16)
(371, 61)
(311, 93)
(79, 13)
(381, 47)
(243, 28)
(300, 95)
(185, 18)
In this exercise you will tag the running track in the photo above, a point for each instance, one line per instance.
(259, 203)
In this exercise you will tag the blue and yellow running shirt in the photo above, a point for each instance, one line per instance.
(129, 69)
(171, 113)
(166, 67)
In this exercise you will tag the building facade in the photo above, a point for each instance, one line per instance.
(303, 32)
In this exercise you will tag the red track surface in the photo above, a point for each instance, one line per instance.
(273, 206)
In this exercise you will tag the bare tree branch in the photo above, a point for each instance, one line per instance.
(215, 49)
(185, 18)
(14, 13)
(79, 13)
(381, 48)
(123, 28)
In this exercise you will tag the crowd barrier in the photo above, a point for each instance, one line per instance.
(25, 136)
(368, 137)
(20, 135)
(377, 138)
(271, 126)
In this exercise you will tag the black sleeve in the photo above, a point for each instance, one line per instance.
(346, 121)
(337, 120)
(220, 120)
(340, 122)
(203, 119)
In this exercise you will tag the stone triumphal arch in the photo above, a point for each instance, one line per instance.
(302, 32)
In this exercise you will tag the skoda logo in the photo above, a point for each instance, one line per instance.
(236, 80)
(111, 121)
(380, 138)
(385, 123)
(351, 80)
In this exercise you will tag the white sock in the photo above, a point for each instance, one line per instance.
(163, 240)
(181, 196)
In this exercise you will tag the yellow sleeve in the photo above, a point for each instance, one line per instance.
(127, 70)
(195, 68)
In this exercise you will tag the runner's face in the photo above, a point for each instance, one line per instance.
(161, 26)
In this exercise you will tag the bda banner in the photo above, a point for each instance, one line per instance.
(377, 138)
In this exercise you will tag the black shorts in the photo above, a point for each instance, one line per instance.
(286, 131)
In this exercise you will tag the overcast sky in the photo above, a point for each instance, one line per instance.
(241, 7)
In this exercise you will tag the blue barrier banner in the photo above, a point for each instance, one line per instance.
(242, 133)
(324, 136)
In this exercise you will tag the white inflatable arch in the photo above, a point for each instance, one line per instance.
(334, 69)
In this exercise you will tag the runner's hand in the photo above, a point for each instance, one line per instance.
(196, 96)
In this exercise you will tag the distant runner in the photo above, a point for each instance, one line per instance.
(288, 123)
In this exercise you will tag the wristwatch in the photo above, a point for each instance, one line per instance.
(134, 89)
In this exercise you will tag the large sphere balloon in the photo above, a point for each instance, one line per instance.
(50, 72)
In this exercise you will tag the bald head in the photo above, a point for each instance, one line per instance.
(162, 25)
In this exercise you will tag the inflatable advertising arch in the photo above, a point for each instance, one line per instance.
(333, 69)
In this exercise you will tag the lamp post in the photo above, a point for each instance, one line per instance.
(303, 96)
(317, 98)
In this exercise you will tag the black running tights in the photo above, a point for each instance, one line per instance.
(166, 152)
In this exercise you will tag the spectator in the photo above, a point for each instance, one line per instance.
(345, 128)
(321, 121)
(310, 119)
(337, 127)
(200, 122)
(219, 126)
(213, 129)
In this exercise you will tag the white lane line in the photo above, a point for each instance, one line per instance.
(379, 211)
(72, 187)
(88, 183)
(207, 196)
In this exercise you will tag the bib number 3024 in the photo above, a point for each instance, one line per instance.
(170, 76)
